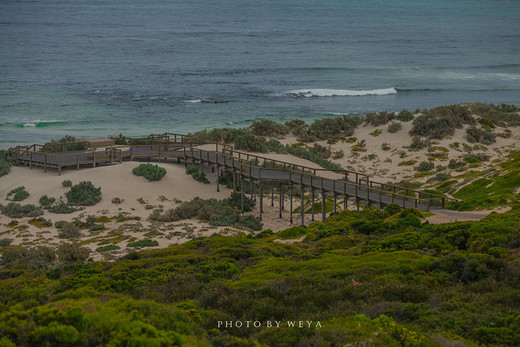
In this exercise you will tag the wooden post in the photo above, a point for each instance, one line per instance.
(218, 179)
(280, 200)
(282, 196)
(345, 202)
(302, 209)
(242, 193)
(335, 203)
(77, 161)
(291, 205)
(312, 199)
(272, 194)
(261, 188)
(45, 162)
(323, 204)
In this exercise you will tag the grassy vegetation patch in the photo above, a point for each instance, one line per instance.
(198, 175)
(150, 172)
(17, 194)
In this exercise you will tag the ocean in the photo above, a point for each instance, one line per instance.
(92, 68)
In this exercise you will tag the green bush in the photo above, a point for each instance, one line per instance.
(380, 118)
(70, 143)
(225, 212)
(198, 175)
(150, 172)
(328, 128)
(62, 208)
(405, 116)
(5, 242)
(16, 210)
(69, 231)
(7, 159)
(67, 183)
(17, 194)
(72, 253)
(480, 135)
(59, 224)
(83, 194)
(442, 121)
(394, 127)
(143, 243)
(117, 201)
(249, 142)
(269, 128)
(45, 201)
(425, 166)
(107, 248)
(392, 208)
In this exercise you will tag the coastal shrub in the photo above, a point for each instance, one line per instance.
(83, 194)
(297, 127)
(235, 200)
(14, 254)
(66, 183)
(65, 144)
(16, 210)
(220, 135)
(59, 224)
(7, 159)
(379, 118)
(198, 175)
(313, 156)
(322, 151)
(440, 122)
(327, 128)
(425, 166)
(440, 177)
(480, 135)
(454, 163)
(117, 201)
(107, 248)
(249, 142)
(143, 243)
(225, 212)
(17, 194)
(5, 242)
(61, 208)
(392, 209)
(394, 127)
(418, 144)
(269, 128)
(499, 115)
(45, 201)
(473, 158)
(405, 116)
(150, 172)
(69, 231)
(40, 222)
(72, 253)
(226, 178)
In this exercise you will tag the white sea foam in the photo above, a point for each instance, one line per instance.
(29, 124)
(340, 92)
(194, 101)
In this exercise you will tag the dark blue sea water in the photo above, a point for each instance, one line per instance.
(91, 68)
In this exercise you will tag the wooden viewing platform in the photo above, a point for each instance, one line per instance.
(245, 167)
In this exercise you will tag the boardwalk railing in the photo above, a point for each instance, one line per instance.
(244, 167)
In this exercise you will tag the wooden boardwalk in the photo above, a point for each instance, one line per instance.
(257, 170)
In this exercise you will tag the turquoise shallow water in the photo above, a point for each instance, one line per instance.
(94, 68)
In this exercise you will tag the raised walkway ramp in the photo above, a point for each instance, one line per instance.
(245, 167)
